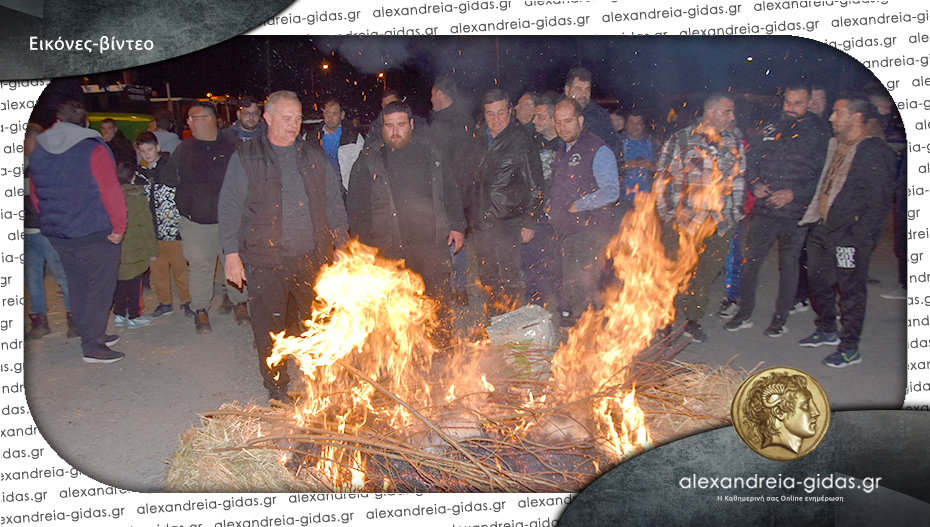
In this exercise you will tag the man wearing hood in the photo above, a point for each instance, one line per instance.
(83, 214)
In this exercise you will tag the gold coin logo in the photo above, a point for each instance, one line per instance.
(782, 413)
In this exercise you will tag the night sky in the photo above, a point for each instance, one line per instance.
(654, 74)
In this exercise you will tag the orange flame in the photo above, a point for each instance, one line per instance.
(370, 327)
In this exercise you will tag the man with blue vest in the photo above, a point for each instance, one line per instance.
(82, 212)
(585, 187)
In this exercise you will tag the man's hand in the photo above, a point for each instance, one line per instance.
(235, 272)
(760, 191)
(526, 235)
(780, 198)
(456, 240)
(115, 238)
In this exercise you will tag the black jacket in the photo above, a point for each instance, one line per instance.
(857, 215)
(787, 154)
(349, 135)
(196, 169)
(377, 213)
(250, 203)
(505, 180)
(450, 129)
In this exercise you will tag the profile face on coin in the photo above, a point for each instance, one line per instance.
(781, 413)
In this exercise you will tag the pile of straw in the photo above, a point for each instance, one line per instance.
(249, 448)
(212, 458)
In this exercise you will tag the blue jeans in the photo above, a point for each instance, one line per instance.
(39, 250)
(733, 266)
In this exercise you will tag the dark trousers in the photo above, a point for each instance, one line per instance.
(269, 288)
(542, 268)
(127, 301)
(764, 231)
(92, 271)
(899, 218)
(827, 279)
(584, 258)
(498, 252)
(432, 263)
(711, 262)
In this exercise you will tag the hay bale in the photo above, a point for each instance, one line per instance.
(212, 458)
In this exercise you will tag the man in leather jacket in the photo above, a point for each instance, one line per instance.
(503, 200)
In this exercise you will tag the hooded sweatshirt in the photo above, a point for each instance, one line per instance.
(74, 185)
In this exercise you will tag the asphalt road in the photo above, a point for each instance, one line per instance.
(119, 423)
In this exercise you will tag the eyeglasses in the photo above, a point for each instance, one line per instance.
(256, 113)
(192, 117)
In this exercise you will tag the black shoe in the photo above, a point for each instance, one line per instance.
(226, 307)
(202, 321)
(162, 310)
(111, 340)
(72, 328)
(39, 326)
(777, 328)
(188, 312)
(242, 314)
(693, 329)
(738, 322)
(728, 309)
(103, 357)
(460, 297)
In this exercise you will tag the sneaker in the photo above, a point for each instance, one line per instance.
(226, 306)
(188, 312)
(842, 358)
(820, 338)
(139, 321)
(693, 329)
(776, 329)
(728, 309)
(119, 320)
(895, 294)
(738, 322)
(162, 310)
(103, 357)
(111, 340)
(242, 314)
(799, 307)
(202, 321)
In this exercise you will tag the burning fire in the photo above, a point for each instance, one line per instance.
(368, 360)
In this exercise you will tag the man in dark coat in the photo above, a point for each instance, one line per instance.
(596, 118)
(503, 200)
(846, 216)
(281, 216)
(403, 200)
(784, 162)
(450, 130)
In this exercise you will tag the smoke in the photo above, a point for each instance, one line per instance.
(370, 55)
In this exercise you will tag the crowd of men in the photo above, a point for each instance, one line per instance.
(538, 186)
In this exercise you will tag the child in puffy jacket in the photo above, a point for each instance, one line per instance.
(138, 249)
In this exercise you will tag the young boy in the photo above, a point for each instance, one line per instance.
(138, 249)
(170, 261)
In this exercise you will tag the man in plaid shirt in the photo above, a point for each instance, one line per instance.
(700, 179)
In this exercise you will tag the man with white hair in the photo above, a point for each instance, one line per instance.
(281, 215)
